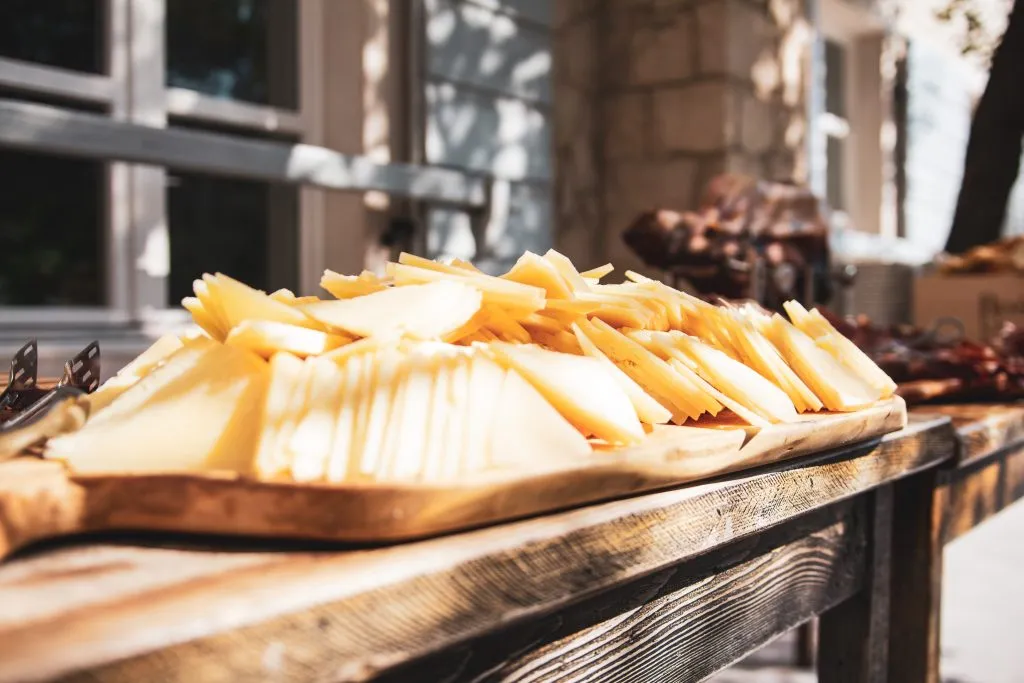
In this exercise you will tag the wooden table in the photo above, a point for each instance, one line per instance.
(986, 475)
(669, 586)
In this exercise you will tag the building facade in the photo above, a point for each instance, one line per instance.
(581, 112)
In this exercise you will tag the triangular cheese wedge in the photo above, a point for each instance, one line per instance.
(341, 462)
(202, 318)
(387, 377)
(647, 409)
(239, 302)
(130, 374)
(428, 311)
(527, 432)
(533, 270)
(440, 407)
(206, 418)
(579, 388)
(567, 270)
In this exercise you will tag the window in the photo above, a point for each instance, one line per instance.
(234, 49)
(62, 33)
(86, 235)
(246, 229)
(835, 124)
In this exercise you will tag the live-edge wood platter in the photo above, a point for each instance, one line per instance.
(39, 499)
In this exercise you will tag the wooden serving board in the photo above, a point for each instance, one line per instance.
(39, 499)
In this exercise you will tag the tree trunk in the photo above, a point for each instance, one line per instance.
(994, 147)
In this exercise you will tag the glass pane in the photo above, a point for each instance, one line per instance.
(235, 49)
(62, 33)
(51, 236)
(835, 78)
(834, 173)
(243, 228)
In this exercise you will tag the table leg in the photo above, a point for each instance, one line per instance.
(916, 580)
(853, 636)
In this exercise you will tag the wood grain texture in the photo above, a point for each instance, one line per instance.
(273, 613)
(916, 585)
(698, 625)
(974, 492)
(982, 428)
(232, 504)
(854, 636)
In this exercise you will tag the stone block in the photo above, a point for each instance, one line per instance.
(665, 51)
(699, 117)
(627, 120)
(759, 125)
(736, 36)
(575, 53)
(631, 188)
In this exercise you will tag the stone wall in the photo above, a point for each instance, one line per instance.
(654, 97)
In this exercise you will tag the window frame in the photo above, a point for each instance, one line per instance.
(133, 89)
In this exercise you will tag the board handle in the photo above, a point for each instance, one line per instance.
(37, 501)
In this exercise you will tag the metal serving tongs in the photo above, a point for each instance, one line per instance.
(56, 411)
(22, 379)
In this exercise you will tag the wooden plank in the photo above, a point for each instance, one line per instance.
(916, 594)
(854, 636)
(982, 428)
(41, 128)
(695, 621)
(359, 613)
(972, 493)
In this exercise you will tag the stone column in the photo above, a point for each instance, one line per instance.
(654, 97)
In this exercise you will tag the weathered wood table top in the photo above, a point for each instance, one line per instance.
(691, 579)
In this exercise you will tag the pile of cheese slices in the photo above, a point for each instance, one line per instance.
(436, 371)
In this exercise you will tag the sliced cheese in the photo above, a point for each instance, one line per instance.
(340, 463)
(309, 447)
(266, 338)
(439, 407)
(580, 388)
(286, 374)
(387, 376)
(239, 302)
(568, 271)
(517, 299)
(485, 380)
(428, 311)
(597, 273)
(206, 418)
(202, 318)
(533, 270)
(351, 286)
(130, 374)
(647, 409)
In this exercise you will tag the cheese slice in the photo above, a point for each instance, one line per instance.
(527, 432)
(310, 445)
(567, 270)
(647, 409)
(837, 387)
(286, 375)
(343, 444)
(761, 355)
(387, 376)
(212, 307)
(533, 270)
(205, 418)
(579, 388)
(240, 302)
(458, 426)
(485, 379)
(273, 458)
(517, 299)
(202, 318)
(130, 374)
(424, 312)
(597, 273)
(265, 338)
(351, 286)
(408, 460)
(439, 409)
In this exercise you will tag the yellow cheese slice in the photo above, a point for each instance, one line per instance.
(485, 379)
(351, 286)
(647, 409)
(653, 374)
(579, 388)
(424, 312)
(387, 376)
(440, 407)
(517, 299)
(240, 302)
(527, 432)
(206, 418)
(597, 273)
(202, 318)
(742, 411)
(212, 307)
(837, 387)
(568, 271)
(533, 270)
(273, 457)
(284, 394)
(457, 439)
(130, 374)
(311, 443)
(340, 463)
(265, 338)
